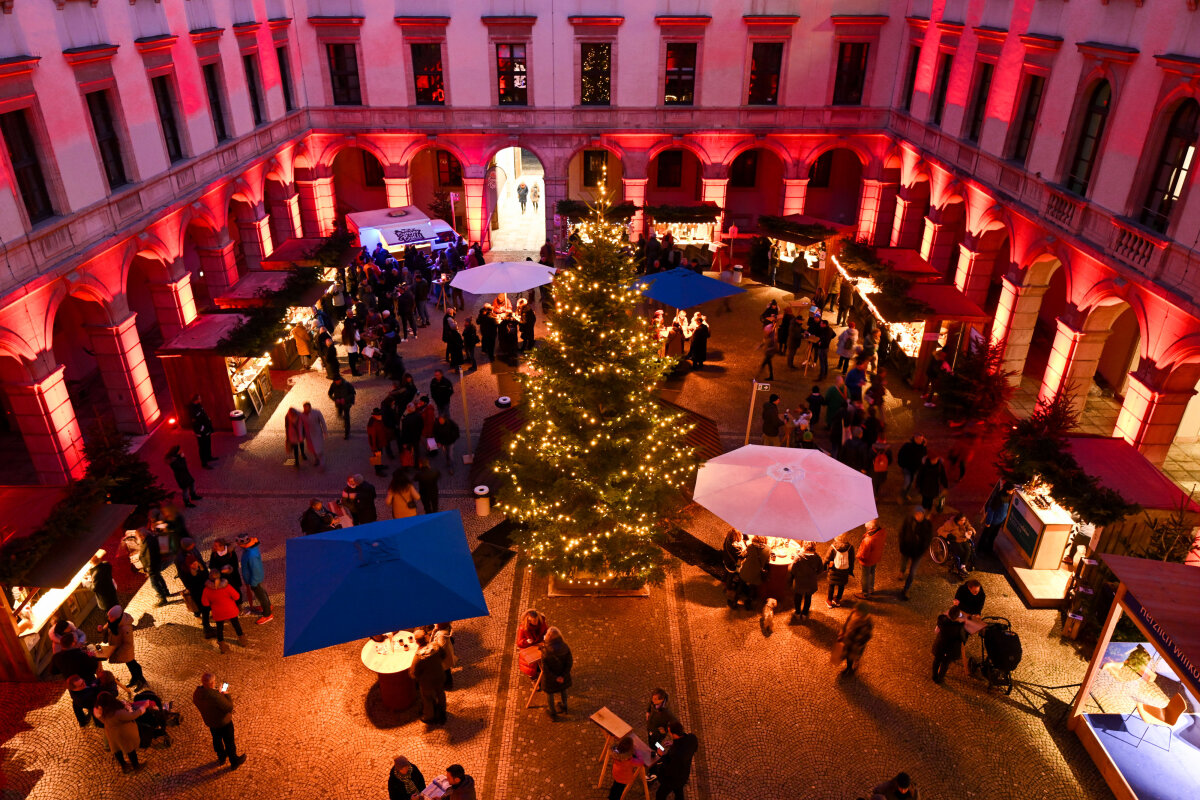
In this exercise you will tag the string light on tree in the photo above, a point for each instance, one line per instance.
(597, 471)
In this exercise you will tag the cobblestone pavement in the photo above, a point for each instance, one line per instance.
(773, 718)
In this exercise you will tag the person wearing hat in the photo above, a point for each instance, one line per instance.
(183, 476)
(253, 575)
(405, 781)
(193, 574)
(118, 631)
(900, 787)
(870, 552)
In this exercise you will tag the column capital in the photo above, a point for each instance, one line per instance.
(1021, 289)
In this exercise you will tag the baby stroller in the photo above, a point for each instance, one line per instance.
(1001, 654)
(152, 726)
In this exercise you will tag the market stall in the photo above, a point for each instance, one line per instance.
(916, 319)
(570, 213)
(268, 290)
(1136, 709)
(194, 364)
(1045, 548)
(693, 229)
(800, 247)
(53, 587)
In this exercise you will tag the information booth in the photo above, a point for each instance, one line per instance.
(1136, 710)
(194, 365)
(1045, 548)
(53, 587)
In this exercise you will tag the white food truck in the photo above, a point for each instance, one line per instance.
(398, 228)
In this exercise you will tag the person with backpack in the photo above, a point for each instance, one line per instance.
(840, 563)
(881, 461)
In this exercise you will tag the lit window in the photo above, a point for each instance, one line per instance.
(595, 73)
(511, 75)
(427, 73)
(1174, 163)
(681, 74)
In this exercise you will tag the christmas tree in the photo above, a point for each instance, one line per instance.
(597, 471)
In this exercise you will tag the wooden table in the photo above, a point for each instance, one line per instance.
(389, 660)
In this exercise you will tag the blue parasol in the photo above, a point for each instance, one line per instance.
(682, 288)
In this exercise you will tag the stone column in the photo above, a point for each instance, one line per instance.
(974, 274)
(318, 213)
(554, 189)
(174, 305)
(1153, 408)
(635, 192)
(1013, 325)
(794, 193)
(907, 225)
(255, 232)
(473, 202)
(219, 265)
(868, 210)
(1073, 361)
(44, 415)
(118, 352)
(713, 190)
(285, 216)
(937, 245)
(399, 192)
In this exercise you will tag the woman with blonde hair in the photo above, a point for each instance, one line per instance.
(840, 563)
(402, 497)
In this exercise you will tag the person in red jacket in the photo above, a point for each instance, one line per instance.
(531, 634)
(870, 552)
(222, 598)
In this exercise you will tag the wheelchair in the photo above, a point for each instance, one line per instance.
(943, 551)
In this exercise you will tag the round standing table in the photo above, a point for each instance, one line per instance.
(777, 584)
(389, 660)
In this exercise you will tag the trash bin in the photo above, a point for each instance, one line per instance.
(238, 420)
(737, 273)
(483, 501)
(503, 401)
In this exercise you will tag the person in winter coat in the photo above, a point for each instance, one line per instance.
(625, 763)
(470, 338)
(314, 432)
(253, 575)
(772, 423)
(915, 535)
(931, 480)
(202, 427)
(840, 563)
(119, 633)
(847, 340)
(342, 395)
(530, 635)
(295, 435)
(120, 727)
(658, 717)
(402, 497)
(427, 477)
(845, 301)
(358, 498)
(855, 633)
(379, 440)
(527, 319)
(803, 575)
(836, 400)
(405, 781)
(909, 459)
(948, 642)
(177, 461)
(441, 390)
(754, 570)
(698, 349)
(900, 787)
(224, 560)
(430, 676)
(881, 461)
(556, 670)
(100, 580)
(220, 596)
(870, 553)
(446, 433)
(733, 553)
(462, 785)
(995, 512)
(193, 574)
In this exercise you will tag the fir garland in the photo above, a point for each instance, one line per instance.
(700, 212)
(580, 210)
(892, 300)
(784, 228)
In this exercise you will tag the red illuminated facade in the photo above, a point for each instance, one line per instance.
(1038, 154)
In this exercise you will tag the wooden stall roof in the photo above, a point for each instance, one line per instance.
(1119, 466)
(293, 251)
(802, 220)
(909, 263)
(247, 292)
(947, 302)
(1168, 593)
(24, 508)
(203, 335)
(56, 568)
(703, 436)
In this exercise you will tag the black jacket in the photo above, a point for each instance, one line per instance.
(915, 537)
(441, 390)
(556, 663)
(313, 521)
(675, 767)
(360, 502)
(396, 790)
(911, 455)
